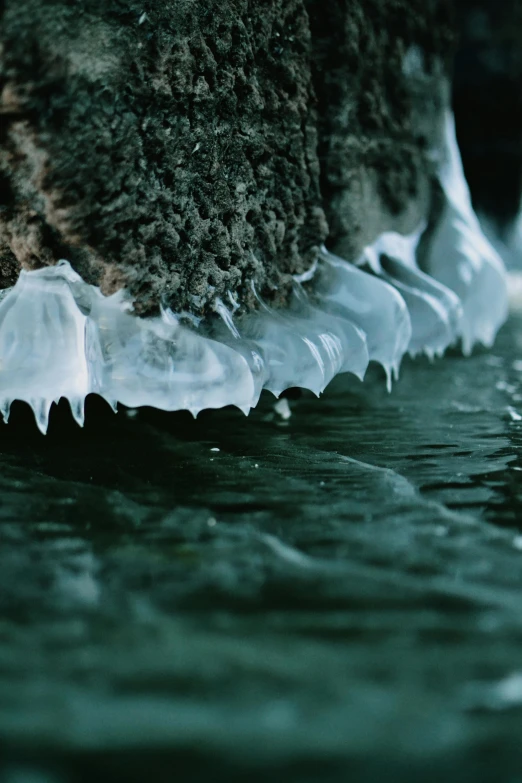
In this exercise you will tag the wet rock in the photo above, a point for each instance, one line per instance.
(175, 149)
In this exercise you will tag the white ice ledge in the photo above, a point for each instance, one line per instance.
(60, 337)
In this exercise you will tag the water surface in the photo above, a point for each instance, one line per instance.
(337, 596)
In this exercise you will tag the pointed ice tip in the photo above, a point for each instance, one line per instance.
(5, 409)
(467, 345)
(78, 411)
(113, 404)
(41, 409)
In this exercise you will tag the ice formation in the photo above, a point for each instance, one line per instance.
(462, 259)
(60, 337)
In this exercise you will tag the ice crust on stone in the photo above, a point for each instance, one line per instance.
(43, 351)
(374, 306)
(435, 311)
(161, 363)
(305, 346)
(461, 257)
(60, 337)
(302, 346)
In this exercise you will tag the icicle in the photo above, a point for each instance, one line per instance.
(374, 306)
(304, 346)
(291, 357)
(461, 257)
(161, 363)
(301, 347)
(77, 406)
(59, 337)
(342, 342)
(226, 331)
(42, 341)
(41, 408)
(435, 311)
(5, 409)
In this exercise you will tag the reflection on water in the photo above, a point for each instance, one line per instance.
(338, 590)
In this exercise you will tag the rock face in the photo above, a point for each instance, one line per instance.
(179, 149)
(171, 151)
(380, 73)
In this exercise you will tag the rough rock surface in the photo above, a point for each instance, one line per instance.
(172, 149)
(175, 148)
(380, 72)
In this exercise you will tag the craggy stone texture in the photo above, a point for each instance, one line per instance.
(172, 148)
(169, 147)
(380, 74)
(488, 103)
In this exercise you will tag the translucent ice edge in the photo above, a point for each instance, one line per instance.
(60, 337)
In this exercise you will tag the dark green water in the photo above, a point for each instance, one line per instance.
(337, 597)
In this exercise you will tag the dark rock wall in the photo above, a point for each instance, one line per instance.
(380, 72)
(175, 148)
(487, 100)
(171, 150)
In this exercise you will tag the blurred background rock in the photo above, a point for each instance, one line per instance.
(487, 99)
